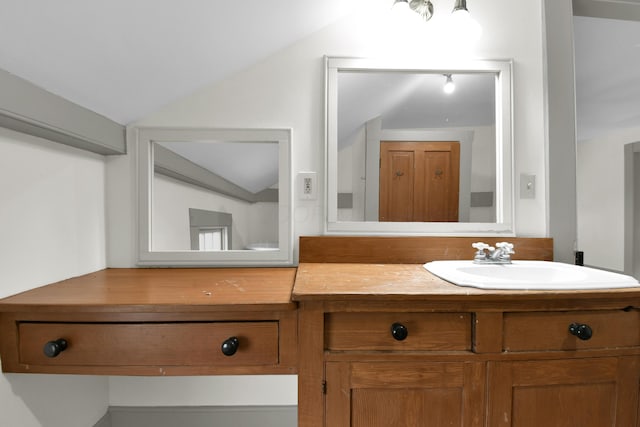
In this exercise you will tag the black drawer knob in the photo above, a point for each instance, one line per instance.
(581, 331)
(54, 348)
(230, 346)
(399, 331)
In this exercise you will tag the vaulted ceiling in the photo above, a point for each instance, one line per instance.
(126, 59)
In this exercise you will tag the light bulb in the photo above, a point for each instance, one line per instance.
(464, 27)
(449, 85)
(400, 8)
(402, 15)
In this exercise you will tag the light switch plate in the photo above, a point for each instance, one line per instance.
(527, 186)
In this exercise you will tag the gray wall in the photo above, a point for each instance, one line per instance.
(560, 126)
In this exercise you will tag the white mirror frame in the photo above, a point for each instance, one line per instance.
(145, 136)
(504, 143)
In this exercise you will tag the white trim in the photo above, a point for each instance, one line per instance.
(505, 209)
(147, 257)
(29, 109)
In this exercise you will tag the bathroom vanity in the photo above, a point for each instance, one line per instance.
(154, 322)
(376, 340)
(388, 344)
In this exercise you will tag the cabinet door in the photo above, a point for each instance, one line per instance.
(389, 394)
(419, 181)
(598, 392)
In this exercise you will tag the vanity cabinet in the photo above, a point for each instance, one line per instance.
(464, 357)
(385, 391)
(154, 322)
(573, 392)
(375, 339)
(573, 368)
(366, 393)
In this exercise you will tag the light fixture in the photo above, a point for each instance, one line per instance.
(460, 18)
(460, 6)
(449, 85)
(466, 28)
(400, 5)
(424, 8)
(401, 13)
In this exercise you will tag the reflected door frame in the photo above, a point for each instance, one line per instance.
(374, 134)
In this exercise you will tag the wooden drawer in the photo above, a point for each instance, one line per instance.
(149, 344)
(542, 331)
(372, 331)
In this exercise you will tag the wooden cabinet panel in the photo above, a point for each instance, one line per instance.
(419, 181)
(596, 392)
(372, 331)
(550, 330)
(372, 394)
(397, 187)
(472, 357)
(144, 344)
(155, 322)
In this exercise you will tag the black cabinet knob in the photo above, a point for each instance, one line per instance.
(581, 331)
(230, 346)
(54, 348)
(399, 331)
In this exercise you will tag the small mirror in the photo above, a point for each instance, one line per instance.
(214, 196)
(418, 148)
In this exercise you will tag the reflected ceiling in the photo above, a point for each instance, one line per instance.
(250, 165)
(413, 101)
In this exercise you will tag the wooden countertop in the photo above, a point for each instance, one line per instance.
(162, 290)
(412, 282)
(166, 290)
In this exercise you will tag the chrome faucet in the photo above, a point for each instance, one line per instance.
(501, 254)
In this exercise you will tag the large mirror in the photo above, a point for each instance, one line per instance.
(214, 196)
(418, 148)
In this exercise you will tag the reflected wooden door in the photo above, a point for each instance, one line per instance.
(419, 181)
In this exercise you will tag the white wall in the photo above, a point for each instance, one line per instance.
(52, 227)
(601, 198)
(286, 90)
(172, 200)
(483, 167)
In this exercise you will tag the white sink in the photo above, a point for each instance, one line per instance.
(533, 275)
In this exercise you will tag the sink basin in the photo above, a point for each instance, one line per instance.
(532, 275)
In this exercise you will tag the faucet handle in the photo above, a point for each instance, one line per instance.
(506, 247)
(480, 246)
